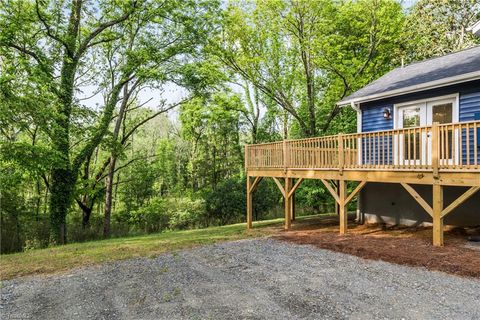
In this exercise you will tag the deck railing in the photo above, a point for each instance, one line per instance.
(447, 147)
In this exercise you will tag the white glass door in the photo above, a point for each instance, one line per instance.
(408, 150)
(442, 111)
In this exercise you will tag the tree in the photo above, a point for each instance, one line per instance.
(362, 43)
(59, 45)
(436, 27)
(213, 127)
(305, 56)
(256, 46)
(68, 33)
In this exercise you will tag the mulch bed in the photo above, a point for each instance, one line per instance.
(406, 246)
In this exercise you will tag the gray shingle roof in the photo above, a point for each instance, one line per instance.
(435, 69)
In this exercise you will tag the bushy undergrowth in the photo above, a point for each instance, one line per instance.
(226, 204)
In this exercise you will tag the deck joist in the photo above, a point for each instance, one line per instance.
(450, 178)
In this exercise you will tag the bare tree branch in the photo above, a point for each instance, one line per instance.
(48, 28)
(156, 114)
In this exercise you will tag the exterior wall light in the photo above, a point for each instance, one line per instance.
(387, 114)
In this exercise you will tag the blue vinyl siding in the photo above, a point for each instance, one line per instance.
(372, 118)
(469, 110)
(377, 150)
(469, 106)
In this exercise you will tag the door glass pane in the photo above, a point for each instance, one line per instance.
(411, 118)
(442, 113)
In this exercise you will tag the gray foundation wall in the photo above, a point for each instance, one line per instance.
(390, 203)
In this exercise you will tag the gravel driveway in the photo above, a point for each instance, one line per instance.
(249, 279)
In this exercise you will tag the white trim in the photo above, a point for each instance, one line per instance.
(475, 29)
(359, 116)
(456, 107)
(359, 130)
(419, 87)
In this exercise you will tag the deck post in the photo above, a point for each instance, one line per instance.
(288, 201)
(341, 154)
(437, 215)
(343, 207)
(292, 205)
(249, 203)
(337, 189)
(435, 149)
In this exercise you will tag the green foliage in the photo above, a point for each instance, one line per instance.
(305, 56)
(186, 213)
(213, 128)
(312, 194)
(150, 218)
(227, 203)
(171, 213)
(437, 27)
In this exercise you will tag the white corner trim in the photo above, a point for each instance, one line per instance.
(475, 29)
(359, 116)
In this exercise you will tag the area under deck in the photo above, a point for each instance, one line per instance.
(437, 155)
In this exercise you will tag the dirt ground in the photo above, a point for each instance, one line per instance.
(401, 245)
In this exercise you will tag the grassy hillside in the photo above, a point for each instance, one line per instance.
(50, 260)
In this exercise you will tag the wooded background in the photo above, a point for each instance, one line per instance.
(96, 143)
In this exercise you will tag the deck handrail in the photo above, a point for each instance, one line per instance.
(452, 146)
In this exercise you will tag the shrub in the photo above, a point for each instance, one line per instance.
(152, 217)
(228, 202)
(186, 213)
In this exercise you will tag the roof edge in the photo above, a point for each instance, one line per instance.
(475, 29)
(412, 89)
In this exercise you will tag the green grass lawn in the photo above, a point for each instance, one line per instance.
(60, 258)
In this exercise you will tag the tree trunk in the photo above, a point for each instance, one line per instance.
(60, 200)
(115, 193)
(87, 213)
(87, 208)
(113, 161)
(108, 197)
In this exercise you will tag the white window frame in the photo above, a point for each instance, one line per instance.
(423, 103)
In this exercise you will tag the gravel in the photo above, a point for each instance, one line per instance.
(248, 279)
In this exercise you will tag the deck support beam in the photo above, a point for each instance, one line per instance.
(464, 197)
(337, 206)
(342, 199)
(251, 187)
(332, 191)
(279, 185)
(255, 184)
(288, 192)
(288, 203)
(355, 192)
(343, 206)
(437, 215)
(418, 198)
(249, 204)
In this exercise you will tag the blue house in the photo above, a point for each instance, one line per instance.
(444, 90)
(415, 159)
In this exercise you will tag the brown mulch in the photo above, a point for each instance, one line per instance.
(407, 246)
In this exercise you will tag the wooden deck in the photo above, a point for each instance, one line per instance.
(438, 155)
